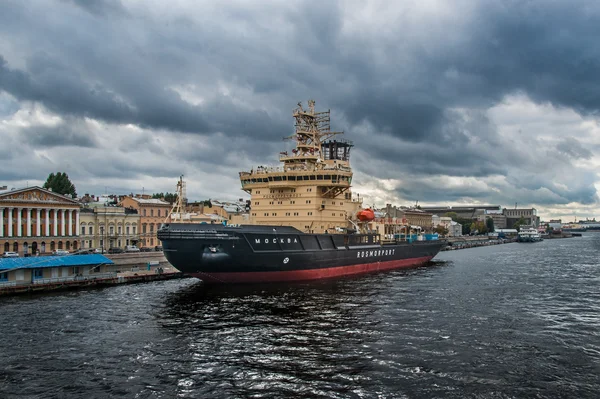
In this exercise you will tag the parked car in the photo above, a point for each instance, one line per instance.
(145, 249)
(83, 252)
(115, 250)
(60, 252)
(10, 254)
(131, 248)
(99, 251)
(158, 248)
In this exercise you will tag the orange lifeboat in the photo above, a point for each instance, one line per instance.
(366, 215)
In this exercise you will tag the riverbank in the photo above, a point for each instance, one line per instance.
(128, 268)
(455, 243)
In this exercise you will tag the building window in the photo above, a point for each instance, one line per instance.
(127, 230)
(144, 212)
(151, 212)
(119, 243)
(120, 230)
(91, 230)
(144, 228)
(82, 230)
(152, 241)
(133, 229)
(309, 213)
(292, 202)
(101, 243)
(151, 227)
(111, 230)
(158, 211)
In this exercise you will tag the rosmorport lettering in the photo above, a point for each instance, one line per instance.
(379, 252)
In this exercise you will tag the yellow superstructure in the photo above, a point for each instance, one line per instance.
(311, 189)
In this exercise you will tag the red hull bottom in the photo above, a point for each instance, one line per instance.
(309, 274)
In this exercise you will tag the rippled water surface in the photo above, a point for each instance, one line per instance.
(515, 320)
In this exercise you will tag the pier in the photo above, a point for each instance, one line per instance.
(52, 273)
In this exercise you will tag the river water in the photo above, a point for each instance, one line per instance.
(507, 321)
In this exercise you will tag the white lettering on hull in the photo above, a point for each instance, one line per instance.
(379, 252)
(275, 241)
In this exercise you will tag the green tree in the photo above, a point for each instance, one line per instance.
(489, 223)
(441, 230)
(60, 183)
(519, 223)
(479, 226)
(169, 197)
(452, 215)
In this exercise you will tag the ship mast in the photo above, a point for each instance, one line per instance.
(179, 205)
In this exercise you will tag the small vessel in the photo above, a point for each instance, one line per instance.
(529, 234)
(305, 222)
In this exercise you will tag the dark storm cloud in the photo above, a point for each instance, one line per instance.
(413, 101)
(100, 7)
(573, 148)
(69, 134)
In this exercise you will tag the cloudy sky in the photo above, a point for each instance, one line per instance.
(447, 102)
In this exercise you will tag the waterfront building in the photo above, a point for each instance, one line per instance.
(497, 216)
(152, 212)
(49, 269)
(35, 219)
(514, 215)
(412, 216)
(106, 227)
(455, 229)
(463, 211)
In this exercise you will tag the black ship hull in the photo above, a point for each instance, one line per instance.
(253, 254)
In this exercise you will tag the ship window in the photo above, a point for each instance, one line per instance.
(312, 177)
(320, 177)
(277, 178)
(327, 177)
(291, 177)
(305, 177)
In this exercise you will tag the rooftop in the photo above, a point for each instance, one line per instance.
(34, 262)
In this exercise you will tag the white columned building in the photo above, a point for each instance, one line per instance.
(1, 222)
(55, 225)
(38, 223)
(10, 230)
(47, 222)
(70, 230)
(62, 222)
(19, 232)
(77, 222)
(28, 221)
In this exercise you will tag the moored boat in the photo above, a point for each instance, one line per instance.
(529, 235)
(305, 222)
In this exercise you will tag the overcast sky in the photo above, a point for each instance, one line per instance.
(447, 102)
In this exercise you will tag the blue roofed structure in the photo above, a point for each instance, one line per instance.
(35, 262)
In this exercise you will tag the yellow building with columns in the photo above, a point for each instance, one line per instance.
(109, 227)
(35, 219)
